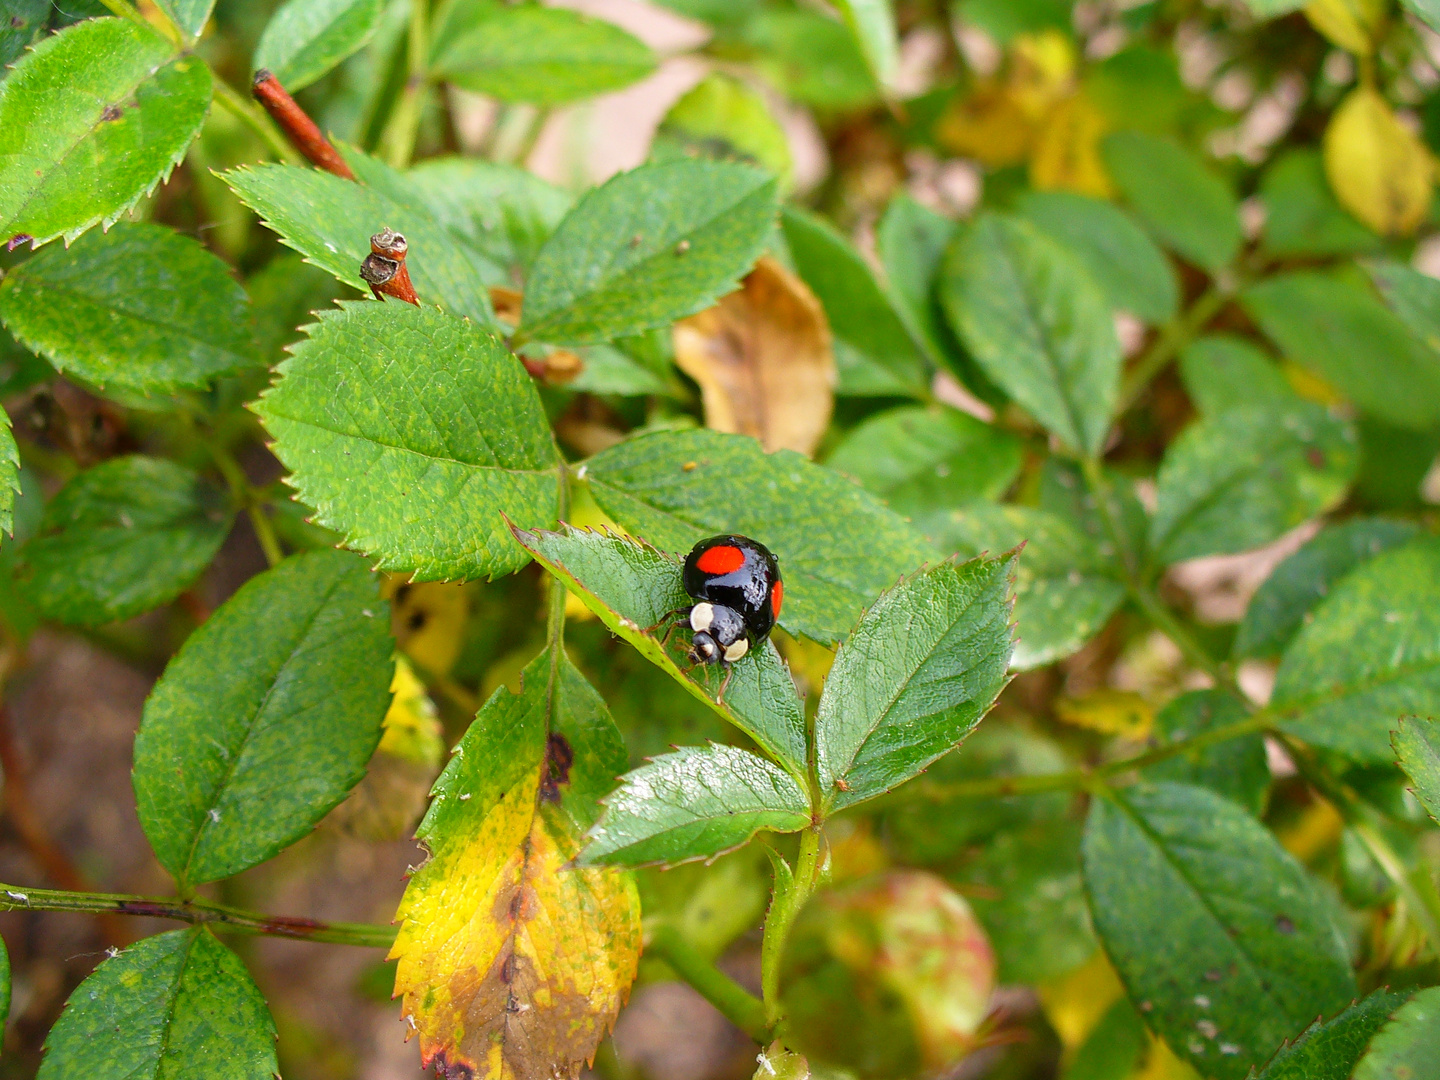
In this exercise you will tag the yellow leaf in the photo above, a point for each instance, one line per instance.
(988, 125)
(1162, 1064)
(412, 729)
(1041, 70)
(763, 360)
(1111, 712)
(510, 964)
(1076, 1002)
(1379, 169)
(1066, 156)
(1354, 25)
(389, 800)
(428, 620)
(1318, 827)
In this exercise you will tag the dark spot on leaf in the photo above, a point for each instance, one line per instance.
(507, 969)
(1315, 457)
(458, 1071)
(1212, 975)
(559, 756)
(1284, 924)
(417, 620)
(16, 21)
(112, 112)
(402, 592)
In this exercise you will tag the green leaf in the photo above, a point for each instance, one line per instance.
(608, 370)
(1284, 603)
(122, 538)
(1336, 326)
(1427, 10)
(1218, 934)
(1329, 1050)
(873, 24)
(1003, 19)
(1413, 296)
(1112, 1050)
(284, 296)
(636, 592)
(1222, 372)
(675, 488)
(694, 804)
(330, 221)
(189, 15)
(924, 664)
(1025, 888)
(140, 309)
(504, 212)
(1302, 216)
(925, 461)
(541, 55)
(810, 58)
(1370, 656)
(176, 1004)
(1038, 325)
(648, 247)
(1236, 768)
(306, 39)
(1408, 1047)
(1065, 588)
(911, 240)
(1185, 205)
(1416, 742)
(91, 120)
(9, 480)
(441, 435)
(1242, 478)
(1124, 261)
(236, 761)
(23, 22)
(724, 118)
(874, 352)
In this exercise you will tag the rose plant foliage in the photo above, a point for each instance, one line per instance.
(1004, 731)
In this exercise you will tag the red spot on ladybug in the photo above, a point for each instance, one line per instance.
(721, 560)
(777, 594)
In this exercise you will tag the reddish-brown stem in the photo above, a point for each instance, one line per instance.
(297, 125)
(28, 826)
(384, 268)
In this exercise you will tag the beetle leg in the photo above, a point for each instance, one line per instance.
(663, 620)
(729, 671)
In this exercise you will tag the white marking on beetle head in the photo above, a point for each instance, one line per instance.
(702, 617)
(705, 648)
(736, 649)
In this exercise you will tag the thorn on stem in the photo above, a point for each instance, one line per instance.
(384, 268)
(297, 125)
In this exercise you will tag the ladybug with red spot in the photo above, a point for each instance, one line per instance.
(735, 583)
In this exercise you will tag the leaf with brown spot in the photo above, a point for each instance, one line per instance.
(512, 965)
(763, 359)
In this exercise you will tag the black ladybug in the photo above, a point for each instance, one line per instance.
(735, 583)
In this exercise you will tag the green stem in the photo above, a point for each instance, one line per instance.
(1079, 779)
(404, 126)
(220, 917)
(1140, 591)
(1177, 333)
(256, 119)
(246, 496)
(527, 142)
(736, 1004)
(786, 907)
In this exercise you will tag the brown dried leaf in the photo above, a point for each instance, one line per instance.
(763, 359)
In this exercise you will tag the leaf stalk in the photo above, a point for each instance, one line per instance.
(735, 1003)
(219, 917)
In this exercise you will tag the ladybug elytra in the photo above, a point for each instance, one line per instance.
(735, 583)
